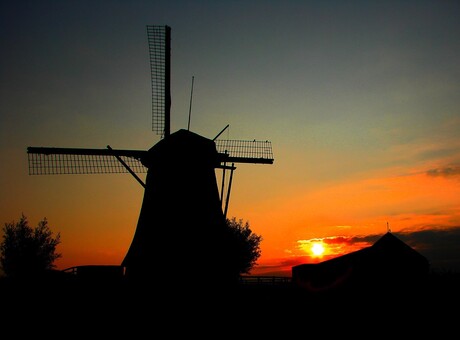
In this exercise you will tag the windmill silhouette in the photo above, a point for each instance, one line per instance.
(181, 227)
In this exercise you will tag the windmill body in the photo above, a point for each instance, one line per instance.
(181, 230)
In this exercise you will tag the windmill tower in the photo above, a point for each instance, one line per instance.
(181, 227)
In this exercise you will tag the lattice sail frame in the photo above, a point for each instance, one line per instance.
(59, 161)
(160, 65)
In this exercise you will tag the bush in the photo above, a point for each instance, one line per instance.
(27, 251)
(247, 245)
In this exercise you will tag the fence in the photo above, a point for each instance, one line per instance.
(265, 280)
(117, 272)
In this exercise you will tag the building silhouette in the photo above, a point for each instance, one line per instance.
(388, 265)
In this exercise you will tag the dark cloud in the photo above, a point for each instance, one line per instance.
(440, 246)
(337, 240)
(370, 239)
(450, 171)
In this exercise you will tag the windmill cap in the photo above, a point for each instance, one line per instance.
(182, 147)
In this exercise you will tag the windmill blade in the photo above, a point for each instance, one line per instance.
(56, 161)
(244, 151)
(159, 39)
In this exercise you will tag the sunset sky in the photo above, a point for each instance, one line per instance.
(360, 99)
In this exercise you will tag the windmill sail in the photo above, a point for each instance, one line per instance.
(159, 39)
(58, 161)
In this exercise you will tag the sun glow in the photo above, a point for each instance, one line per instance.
(317, 249)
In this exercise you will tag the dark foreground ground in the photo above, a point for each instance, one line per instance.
(248, 310)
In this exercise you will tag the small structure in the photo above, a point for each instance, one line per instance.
(388, 264)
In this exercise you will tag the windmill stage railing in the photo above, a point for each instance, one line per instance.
(245, 151)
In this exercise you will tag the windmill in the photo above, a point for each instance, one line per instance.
(182, 213)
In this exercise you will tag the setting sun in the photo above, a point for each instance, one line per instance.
(317, 249)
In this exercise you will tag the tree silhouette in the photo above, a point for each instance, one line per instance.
(247, 245)
(27, 251)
